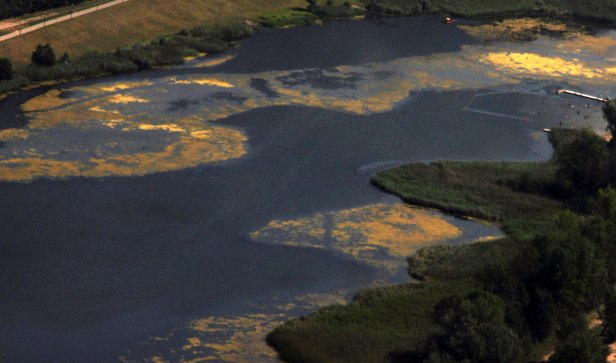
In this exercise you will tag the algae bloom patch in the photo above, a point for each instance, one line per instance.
(109, 131)
(533, 64)
(381, 235)
(230, 338)
(135, 128)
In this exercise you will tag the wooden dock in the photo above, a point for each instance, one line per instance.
(578, 94)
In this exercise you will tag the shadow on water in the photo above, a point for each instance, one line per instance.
(181, 104)
(345, 43)
(262, 85)
(10, 114)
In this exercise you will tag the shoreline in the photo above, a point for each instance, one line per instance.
(256, 23)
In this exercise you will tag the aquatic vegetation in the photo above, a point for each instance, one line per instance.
(394, 321)
(231, 338)
(9, 134)
(358, 89)
(186, 139)
(541, 236)
(206, 82)
(47, 101)
(380, 235)
(116, 137)
(137, 128)
(585, 44)
(117, 86)
(193, 57)
(119, 98)
(207, 63)
(574, 55)
(519, 29)
(532, 64)
(206, 146)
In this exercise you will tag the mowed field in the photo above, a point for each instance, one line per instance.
(134, 21)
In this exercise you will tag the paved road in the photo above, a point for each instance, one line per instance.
(60, 19)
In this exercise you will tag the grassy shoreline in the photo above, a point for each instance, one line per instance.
(399, 317)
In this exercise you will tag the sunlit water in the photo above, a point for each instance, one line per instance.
(181, 214)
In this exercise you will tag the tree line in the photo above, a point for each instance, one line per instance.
(11, 8)
(43, 56)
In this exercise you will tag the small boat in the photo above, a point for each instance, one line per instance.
(448, 20)
(547, 130)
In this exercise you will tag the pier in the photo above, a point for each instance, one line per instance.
(579, 94)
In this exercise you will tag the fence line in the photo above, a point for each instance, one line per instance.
(60, 19)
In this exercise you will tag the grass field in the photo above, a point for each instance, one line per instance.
(135, 21)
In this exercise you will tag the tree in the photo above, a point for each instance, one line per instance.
(582, 164)
(6, 69)
(608, 328)
(44, 55)
(312, 5)
(609, 114)
(605, 204)
(571, 267)
(601, 229)
(65, 59)
(561, 273)
(474, 330)
(582, 346)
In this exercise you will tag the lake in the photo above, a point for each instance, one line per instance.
(182, 213)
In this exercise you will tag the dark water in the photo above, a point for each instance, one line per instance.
(90, 267)
(349, 43)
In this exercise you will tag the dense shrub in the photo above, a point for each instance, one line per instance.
(44, 55)
(608, 328)
(609, 114)
(474, 330)
(166, 50)
(88, 65)
(227, 32)
(288, 18)
(6, 69)
(582, 164)
(581, 346)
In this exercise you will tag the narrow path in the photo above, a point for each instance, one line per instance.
(9, 24)
(60, 19)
